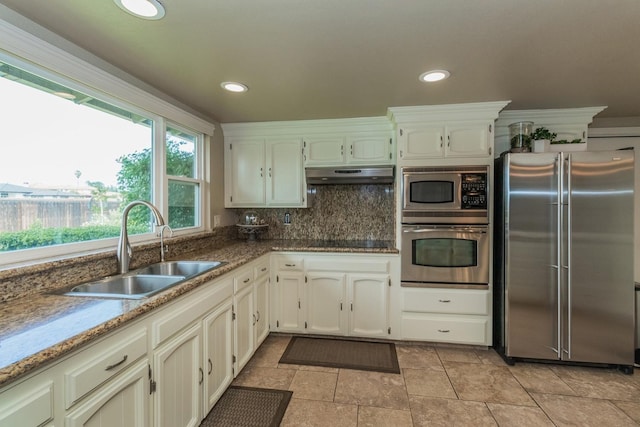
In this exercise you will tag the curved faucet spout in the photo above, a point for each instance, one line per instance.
(124, 248)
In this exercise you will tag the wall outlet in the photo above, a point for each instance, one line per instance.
(287, 218)
(216, 220)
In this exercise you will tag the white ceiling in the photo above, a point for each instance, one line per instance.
(311, 59)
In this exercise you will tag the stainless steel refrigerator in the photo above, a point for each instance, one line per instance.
(563, 265)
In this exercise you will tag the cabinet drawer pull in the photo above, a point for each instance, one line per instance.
(246, 280)
(210, 367)
(263, 269)
(115, 365)
(444, 331)
(201, 376)
(289, 265)
(444, 300)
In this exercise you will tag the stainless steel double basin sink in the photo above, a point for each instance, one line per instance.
(144, 282)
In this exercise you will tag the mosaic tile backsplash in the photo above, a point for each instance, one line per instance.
(338, 212)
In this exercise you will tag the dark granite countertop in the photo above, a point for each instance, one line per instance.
(42, 327)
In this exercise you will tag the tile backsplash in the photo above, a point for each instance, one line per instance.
(337, 212)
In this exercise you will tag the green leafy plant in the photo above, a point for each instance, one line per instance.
(564, 141)
(543, 133)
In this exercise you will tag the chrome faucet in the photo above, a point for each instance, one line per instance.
(124, 248)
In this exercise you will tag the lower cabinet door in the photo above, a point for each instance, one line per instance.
(124, 401)
(178, 377)
(369, 309)
(218, 348)
(326, 303)
(245, 324)
(261, 291)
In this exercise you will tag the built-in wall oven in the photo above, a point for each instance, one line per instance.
(445, 226)
(448, 255)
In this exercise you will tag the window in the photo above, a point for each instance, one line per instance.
(71, 159)
(182, 172)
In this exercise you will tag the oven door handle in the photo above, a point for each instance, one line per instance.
(472, 230)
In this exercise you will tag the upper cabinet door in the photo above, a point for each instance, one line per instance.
(245, 164)
(369, 149)
(421, 142)
(468, 140)
(324, 150)
(285, 174)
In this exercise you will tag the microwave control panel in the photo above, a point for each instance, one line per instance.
(473, 191)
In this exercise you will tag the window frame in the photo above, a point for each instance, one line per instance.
(23, 50)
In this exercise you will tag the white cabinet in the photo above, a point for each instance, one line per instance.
(369, 305)
(264, 172)
(324, 150)
(251, 310)
(460, 139)
(245, 319)
(362, 148)
(192, 364)
(178, 376)
(446, 134)
(460, 316)
(123, 401)
(244, 172)
(261, 301)
(30, 403)
(218, 353)
(333, 294)
(370, 149)
(326, 301)
(288, 302)
(289, 311)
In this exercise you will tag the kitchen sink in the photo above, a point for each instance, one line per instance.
(130, 286)
(179, 268)
(144, 282)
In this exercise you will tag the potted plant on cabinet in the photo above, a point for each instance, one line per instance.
(542, 138)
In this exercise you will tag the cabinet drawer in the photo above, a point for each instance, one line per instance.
(461, 330)
(292, 264)
(446, 301)
(261, 269)
(27, 404)
(242, 280)
(187, 311)
(348, 265)
(114, 355)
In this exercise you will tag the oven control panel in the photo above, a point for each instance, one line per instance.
(473, 191)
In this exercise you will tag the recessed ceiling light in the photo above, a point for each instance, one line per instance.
(434, 76)
(234, 87)
(145, 9)
(65, 95)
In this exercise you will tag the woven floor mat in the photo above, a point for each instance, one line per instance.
(248, 407)
(337, 353)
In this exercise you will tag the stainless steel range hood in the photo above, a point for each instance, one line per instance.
(350, 175)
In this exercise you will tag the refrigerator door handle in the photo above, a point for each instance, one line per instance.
(559, 220)
(568, 266)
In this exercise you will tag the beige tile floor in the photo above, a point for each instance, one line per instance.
(446, 386)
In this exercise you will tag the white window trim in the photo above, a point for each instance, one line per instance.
(42, 57)
(22, 44)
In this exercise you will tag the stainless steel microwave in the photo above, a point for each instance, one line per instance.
(445, 195)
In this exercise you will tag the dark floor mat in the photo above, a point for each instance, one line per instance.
(248, 407)
(337, 353)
